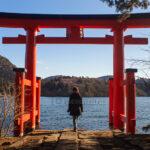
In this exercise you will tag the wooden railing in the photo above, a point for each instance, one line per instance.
(129, 116)
(23, 109)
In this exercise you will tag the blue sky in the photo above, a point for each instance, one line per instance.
(73, 60)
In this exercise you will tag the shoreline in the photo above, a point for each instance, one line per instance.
(82, 139)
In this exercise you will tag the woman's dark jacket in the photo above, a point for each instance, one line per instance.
(75, 106)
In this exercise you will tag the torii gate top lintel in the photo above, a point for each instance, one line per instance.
(18, 20)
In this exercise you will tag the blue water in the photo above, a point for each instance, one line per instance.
(95, 116)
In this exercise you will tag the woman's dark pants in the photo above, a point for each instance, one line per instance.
(75, 118)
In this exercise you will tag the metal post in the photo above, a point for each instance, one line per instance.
(118, 95)
(130, 101)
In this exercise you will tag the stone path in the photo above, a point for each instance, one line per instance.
(81, 140)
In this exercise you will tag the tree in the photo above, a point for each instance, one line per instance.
(126, 6)
(6, 108)
(144, 66)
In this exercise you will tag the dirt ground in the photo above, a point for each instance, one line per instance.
(81, 140)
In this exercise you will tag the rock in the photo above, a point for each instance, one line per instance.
(50, 140)
(67, 141)
(89, 148)
(1, 148)
(89, 142)
(68, 135)
(107, 146)
(52, 137)
(19, 143)
(147, 139)
(94, 134)
(34, 143)
(68, 146)
(118, 133)
(116, 148)
(6, 143)
(82, 140)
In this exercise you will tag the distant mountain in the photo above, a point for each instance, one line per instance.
(52, 78)
(7, 75)
(62, 85)
(6, 70)
(106, 78)
(143, 87)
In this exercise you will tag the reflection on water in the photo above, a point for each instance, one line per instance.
(95, 116)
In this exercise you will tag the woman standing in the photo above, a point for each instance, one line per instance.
(75, 106)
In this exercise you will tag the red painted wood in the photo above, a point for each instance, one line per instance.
(26, 117)
(66, 23)
(27, 82)
(22, 99)
(38, 97)
(118, 77)
(56, 23)
(130, 103)
(111, 101)
(41, 39)
(17, 103)
(31, 70)
(123, 118)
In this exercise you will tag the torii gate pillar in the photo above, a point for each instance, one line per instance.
(118, 66)
(30, 65)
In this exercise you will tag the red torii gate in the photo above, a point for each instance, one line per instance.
(74, 25)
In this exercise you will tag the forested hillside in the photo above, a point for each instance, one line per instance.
(6, 69)
(6, 73)
(62, 85)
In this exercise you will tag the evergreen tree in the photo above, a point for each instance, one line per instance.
(125, 6)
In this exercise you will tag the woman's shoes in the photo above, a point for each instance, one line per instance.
(75, 130)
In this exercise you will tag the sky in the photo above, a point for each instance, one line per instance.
(72, 60)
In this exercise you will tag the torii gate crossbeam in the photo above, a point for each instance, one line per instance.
(41, 39)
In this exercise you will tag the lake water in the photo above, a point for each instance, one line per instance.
(95, 116)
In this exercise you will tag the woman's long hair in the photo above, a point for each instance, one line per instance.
(76, 89)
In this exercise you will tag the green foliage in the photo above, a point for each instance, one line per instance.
(125, 6)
